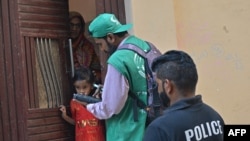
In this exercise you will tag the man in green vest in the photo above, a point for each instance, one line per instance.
(125, 74)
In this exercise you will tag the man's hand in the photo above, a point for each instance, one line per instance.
(98, 91)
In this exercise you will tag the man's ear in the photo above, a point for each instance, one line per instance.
(168, 86)
(110, 37)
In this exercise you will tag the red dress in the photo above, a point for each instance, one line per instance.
(87, 127)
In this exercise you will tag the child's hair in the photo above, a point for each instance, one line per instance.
(83, 73)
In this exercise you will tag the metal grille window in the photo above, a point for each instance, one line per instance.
(48, 73)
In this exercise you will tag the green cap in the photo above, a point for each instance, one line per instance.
(106, 23)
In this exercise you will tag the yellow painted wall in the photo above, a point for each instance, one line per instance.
(216, 34)
(154, 21)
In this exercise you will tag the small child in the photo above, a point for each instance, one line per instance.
(87, 127)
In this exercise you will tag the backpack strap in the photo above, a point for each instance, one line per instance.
(136, 101)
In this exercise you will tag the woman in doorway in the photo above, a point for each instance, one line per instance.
(84, 54)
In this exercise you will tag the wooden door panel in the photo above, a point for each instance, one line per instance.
(44, 75)
(43, 18)
(47, 89)
(47, 124)
(44, 32)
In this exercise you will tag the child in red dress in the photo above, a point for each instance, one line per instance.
(87, 127)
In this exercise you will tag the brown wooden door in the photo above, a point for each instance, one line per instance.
(34, 68)
(43, 35)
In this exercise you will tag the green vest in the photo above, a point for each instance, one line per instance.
(122, 127)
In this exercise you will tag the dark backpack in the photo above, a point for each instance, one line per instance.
(154, 105)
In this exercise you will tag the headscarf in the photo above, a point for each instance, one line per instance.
(74, 14)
